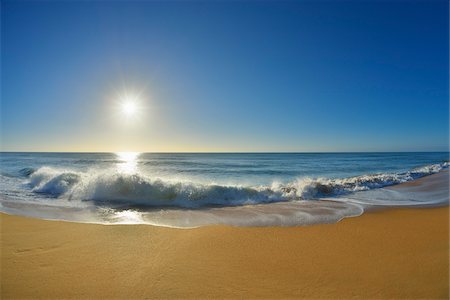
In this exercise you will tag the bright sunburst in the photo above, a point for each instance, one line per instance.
(129, 107)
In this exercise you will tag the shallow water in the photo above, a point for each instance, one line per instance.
(189, 190)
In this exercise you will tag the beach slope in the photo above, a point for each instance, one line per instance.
(398, 253)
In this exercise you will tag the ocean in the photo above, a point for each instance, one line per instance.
(196, 189)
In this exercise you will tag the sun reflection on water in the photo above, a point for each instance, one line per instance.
(127, 162)
(128, 217)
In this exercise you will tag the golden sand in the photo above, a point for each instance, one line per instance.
(399, 253)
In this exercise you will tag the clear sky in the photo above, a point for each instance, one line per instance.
(225, 75)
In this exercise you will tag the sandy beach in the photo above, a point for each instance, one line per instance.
(397, 253)
(155, 149)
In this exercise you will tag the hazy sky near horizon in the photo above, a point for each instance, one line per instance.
(225, 76)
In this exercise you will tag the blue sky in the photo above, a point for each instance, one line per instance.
(225, 76)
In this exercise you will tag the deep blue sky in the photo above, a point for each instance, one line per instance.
(225, 76)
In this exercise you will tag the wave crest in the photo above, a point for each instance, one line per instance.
(139, 190)
(53, 182)
(115, 188)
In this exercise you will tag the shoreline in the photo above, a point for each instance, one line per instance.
(394, 253)
(282, 213)
(387, 252)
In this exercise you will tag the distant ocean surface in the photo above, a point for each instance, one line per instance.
(195, 189)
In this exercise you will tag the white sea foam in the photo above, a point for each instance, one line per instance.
(114, 197)
(112, 187)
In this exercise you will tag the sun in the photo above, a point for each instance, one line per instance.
(129, 107)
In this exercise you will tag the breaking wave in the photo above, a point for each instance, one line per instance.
(118, 188)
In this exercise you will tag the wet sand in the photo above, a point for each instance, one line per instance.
(390, 253)
(425, 184)
(396, 253)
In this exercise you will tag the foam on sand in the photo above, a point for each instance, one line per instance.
(121, 198)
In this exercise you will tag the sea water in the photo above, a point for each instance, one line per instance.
(195, 189)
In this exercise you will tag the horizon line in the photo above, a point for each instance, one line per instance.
(225, 152)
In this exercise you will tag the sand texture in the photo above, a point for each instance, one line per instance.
(398, 253)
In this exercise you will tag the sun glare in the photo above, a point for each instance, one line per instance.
(127, 156)
(127, 162)
(129, 107)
